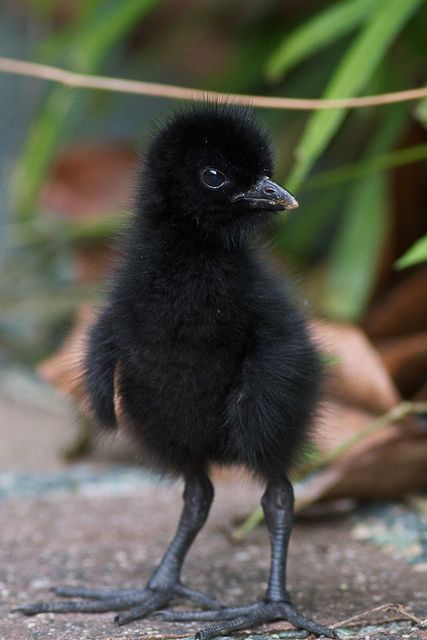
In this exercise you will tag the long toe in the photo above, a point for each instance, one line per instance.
(180, 591)
(225, 627)
(197, 596)
(224, 613)
(231, 619)
(74, 606)
(144, 602)
(301, 622)
(156, 601)
(95, 594)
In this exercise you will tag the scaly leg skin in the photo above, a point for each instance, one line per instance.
(163, 585)
(277, 503)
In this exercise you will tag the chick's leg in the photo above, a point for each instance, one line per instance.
(277, 503)
(278, 506)
(165, 582)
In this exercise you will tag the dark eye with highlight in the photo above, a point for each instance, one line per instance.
(213, 178)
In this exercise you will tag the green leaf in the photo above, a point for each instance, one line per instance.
(109, 23)
(298, 237)
(366, 167)
(420, 112)
(43, 7)
(315, 33)
(352, 267)
(61, 231)
(359, 63)
(417, 253)
(354, 257)
(45, 134)
(56, 45)
(92, 40)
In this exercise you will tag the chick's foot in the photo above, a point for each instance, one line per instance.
(232, 619)
(137, 603)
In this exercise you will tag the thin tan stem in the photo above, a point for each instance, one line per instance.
(121, 85)
(394, 611)
(397, 413)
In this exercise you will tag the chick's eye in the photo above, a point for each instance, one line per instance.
(213, 178)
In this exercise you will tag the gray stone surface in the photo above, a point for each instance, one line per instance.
(32, 437)
(107, 526)
(114, 541)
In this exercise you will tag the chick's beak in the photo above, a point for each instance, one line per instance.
(266, 194)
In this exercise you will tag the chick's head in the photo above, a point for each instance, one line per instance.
(211, 167)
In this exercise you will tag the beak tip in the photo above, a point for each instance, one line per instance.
(290, 203)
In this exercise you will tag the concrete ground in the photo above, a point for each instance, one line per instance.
(102, 525)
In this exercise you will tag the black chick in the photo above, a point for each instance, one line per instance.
(207, 351)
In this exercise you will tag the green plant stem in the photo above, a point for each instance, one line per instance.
(87, 46)
(355, 254)
(97, 228)
(416, 254)
(349, 78)
(395, 414)
(318, 32)
(366, 167)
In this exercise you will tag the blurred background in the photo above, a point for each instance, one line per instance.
(356, 247)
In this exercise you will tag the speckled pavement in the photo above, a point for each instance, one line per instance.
(107, 526)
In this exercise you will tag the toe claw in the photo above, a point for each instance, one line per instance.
(68, 592)
(28, 609)
(130, 616)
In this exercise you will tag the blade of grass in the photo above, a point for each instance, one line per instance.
(92, 40)
(299, 236)
(101, 227)
(366, 167)
(420, 112)
(56, 45)
(353, 260)
(416, 254)
(360, 61)
(44, 136)
(363, 228)
(43, 7)
(315, 33)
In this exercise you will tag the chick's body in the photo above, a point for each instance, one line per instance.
(206, 351)
(214, 360)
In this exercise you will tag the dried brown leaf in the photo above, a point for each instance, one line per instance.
(64, 369)
(406, 360)
(91, 179)
(337, 423)
(401, 310)
(387, 464)
(421, 395)
(93, 261)
(359, 377)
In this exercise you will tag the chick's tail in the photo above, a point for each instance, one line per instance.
(101, 370)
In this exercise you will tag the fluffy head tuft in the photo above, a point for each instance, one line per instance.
(198, 164)
(212, 133)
